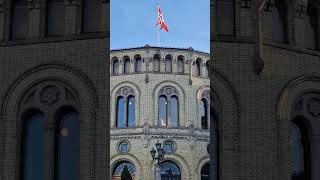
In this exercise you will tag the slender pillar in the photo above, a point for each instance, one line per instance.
(49, 148)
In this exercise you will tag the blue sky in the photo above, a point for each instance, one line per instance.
(133, 23)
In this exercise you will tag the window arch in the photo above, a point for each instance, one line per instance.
(168, 63)
(169, 170)
(138, 64)
(156, 63)
(225, 17)
(19, 19)
(116, 66)
(311, 28)
(204, 109)
(300, 153)
(55, 18)
(126, 65)
(168, 107)
(120, 167)
(180, 64)
(91, 16)
(279, 27)
(197, 67)
(125, 108)
(57, 126)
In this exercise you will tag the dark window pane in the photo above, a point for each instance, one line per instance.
(168, 147)
(19, 19)
(69, 147)
(138, 64)
(120, 112)
(168, 65)
(55, 18)
(123, 147)
(156, 64)
(297, 151)
(33, 157)
(170, 170)
(120, 166)
(205, 172)
(225, 17)
(131, 112)
(163, 111)
(174, 112)
(180, 65)
(126, 67)
(204, 114)
(197, 68)
(91, 16)
(116, 65)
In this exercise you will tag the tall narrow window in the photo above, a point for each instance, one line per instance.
(125, 108)
(180, 64)
(68, 147)
(206, 70)
(299, 151)
(33, 148)
(126, 67)
(55, 17)
(168, 64)
(205, 172)
(91, 16)
(225, 17)
(279, 26)
(156, 63)
(120, 112)
(19, 24)
(204, 109)
(116, 66)
(168, 107)
(311, 28)
(174, 112)
(138, 65)
(131, 112)
(197, 67)
(163, 111)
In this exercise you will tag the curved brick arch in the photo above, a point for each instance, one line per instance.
(88, 106)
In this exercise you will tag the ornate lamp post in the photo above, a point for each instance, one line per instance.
(160, 156)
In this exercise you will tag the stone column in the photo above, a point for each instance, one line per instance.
(49, 158)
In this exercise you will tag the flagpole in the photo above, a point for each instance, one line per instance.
(158, 27)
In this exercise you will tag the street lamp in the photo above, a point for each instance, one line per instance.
(160, 156)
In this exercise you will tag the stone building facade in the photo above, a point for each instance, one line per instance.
(264, 77)
(148, 73)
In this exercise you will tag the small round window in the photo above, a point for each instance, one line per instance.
(168, 147)
(123, 147)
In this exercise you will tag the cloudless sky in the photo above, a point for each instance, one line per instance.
(133, 24)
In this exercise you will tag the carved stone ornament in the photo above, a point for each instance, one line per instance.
(125, 92)
(168, 91)
(50, 95)
(314, 107)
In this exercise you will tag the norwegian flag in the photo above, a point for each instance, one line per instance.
(160, 20)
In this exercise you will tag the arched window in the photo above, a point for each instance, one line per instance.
(19, 19)
(126, 67)
(168, 64)
(225, 22)
(205, 172)
(68, 147)
(91, 16)
(55, 17)
(123, 166)
(168, 147)
(116, 66)
(33, 147)
(279, 27)
(168, 107)
(169, 170)
(300, 155)
(197, 67)
(204, 109)
(206, 70)
(180, 64)
(156, 63)
(51, 138)
(311, 28)
(125, 108)
(138, 64)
